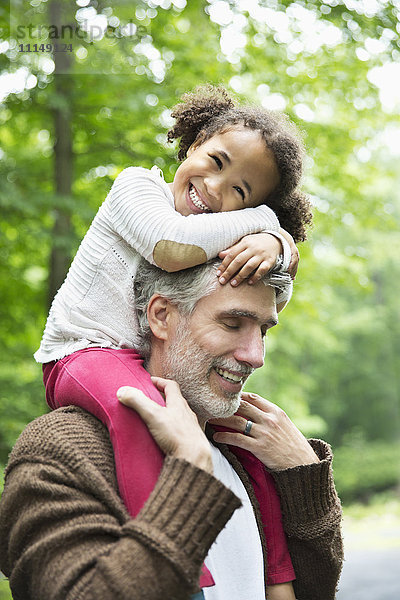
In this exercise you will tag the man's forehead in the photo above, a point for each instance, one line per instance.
(256, 301)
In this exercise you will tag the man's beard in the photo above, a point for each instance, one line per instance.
(190, 366)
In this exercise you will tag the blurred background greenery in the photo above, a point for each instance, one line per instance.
(71, 121)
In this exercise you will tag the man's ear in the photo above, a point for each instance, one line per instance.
(160, 314)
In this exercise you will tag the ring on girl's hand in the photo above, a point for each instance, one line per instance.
(247, 429)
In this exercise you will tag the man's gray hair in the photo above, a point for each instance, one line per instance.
(184, 289)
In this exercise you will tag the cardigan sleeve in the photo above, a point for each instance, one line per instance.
(142, 215)
(312, 515)
(67, 536)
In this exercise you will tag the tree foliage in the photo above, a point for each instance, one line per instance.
(333, 363)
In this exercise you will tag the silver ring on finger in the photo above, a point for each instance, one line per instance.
(247, 429)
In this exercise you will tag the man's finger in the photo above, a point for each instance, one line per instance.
(136, 399)
(236, 422)
(235, 439)
(170, 389)
(161, 383)
(256, 401)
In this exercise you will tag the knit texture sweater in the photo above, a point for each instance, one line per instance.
(95, 304)
(66, 535)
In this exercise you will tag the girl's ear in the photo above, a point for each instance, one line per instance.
(197, 142)
(161, 315)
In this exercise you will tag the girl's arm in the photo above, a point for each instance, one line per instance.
(142, 215)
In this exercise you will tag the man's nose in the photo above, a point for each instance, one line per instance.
(251, 351)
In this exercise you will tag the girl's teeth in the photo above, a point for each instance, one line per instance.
(196, 201)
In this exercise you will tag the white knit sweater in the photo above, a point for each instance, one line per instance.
(95, 304)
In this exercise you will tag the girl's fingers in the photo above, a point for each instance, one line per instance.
(292, 270)
(262, 270)
(294, 262)
(246, 270)
(234, 266)
(230, 254)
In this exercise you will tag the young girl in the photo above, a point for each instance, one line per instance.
(240, 172)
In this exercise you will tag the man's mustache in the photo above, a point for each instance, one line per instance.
(230, 364)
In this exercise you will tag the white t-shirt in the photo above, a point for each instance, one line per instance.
(235, 560)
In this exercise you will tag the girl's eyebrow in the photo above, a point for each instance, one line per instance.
(226, 157)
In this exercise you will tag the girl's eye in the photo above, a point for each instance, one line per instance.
(218, 161)
(239, 189)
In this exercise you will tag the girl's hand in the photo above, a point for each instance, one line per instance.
(294, 261)
(253, 256)
(273, 438)
(174, 427)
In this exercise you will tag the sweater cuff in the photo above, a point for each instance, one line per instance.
(271, 220)
(307, 492)
(188, 507)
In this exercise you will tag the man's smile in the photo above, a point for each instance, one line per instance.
(230, 379)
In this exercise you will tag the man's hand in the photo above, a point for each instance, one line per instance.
(174, 427)
(273, 437)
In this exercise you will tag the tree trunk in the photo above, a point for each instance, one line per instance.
(63, 158)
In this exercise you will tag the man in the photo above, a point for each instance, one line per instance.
(65, 532)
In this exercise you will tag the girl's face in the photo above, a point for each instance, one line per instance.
(229, 171)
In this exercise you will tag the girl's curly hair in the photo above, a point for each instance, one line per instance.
(209, 110)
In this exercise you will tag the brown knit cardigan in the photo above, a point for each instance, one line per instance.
(66, 535)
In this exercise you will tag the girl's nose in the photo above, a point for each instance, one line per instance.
(213, 187)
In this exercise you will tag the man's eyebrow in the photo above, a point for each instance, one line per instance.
(271, 322)
(226, 157)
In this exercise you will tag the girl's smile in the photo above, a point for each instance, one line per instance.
(229, 171)
(196, 201)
